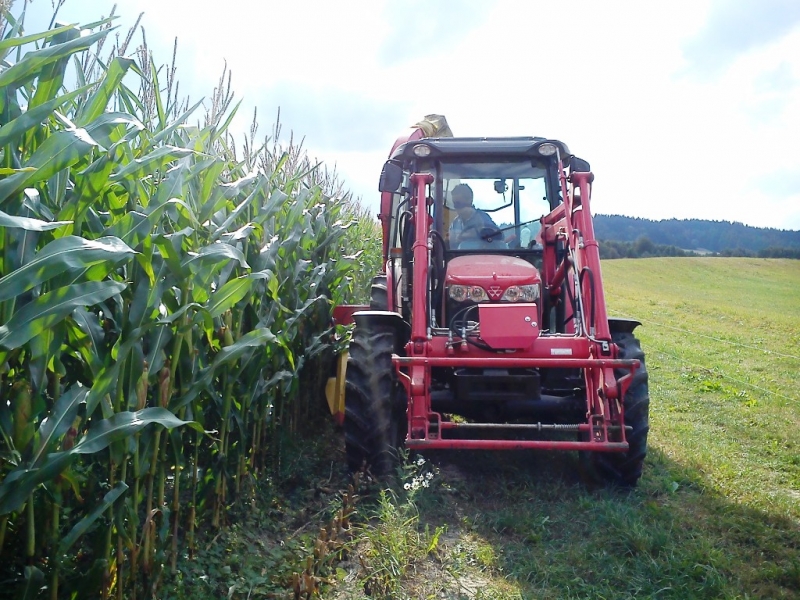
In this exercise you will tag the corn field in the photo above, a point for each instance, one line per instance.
(160, 300)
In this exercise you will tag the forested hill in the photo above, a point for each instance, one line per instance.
(693, 234)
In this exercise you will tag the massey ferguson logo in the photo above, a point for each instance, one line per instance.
(494, 292)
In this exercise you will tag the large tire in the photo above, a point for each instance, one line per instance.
(374, 408)
(625, 469)
(379, 294)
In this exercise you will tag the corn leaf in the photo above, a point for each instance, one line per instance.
(214, 253)
(33, 62)
(69, 253)
(48, 309)
(228, 295)
(34, 581)
(98, 101)
(34, 116)
(34, 37)
(125, 424)
(108, 123)
(20, 483)
(141, 167)
(29, 224)
(59, 151)
(59, 420)
(51, 76)
(82, 526)
(168, 131)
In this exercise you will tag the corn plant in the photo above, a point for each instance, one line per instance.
(160, 299)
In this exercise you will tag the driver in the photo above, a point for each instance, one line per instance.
(470, 220)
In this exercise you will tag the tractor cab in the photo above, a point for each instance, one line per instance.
(487, 200)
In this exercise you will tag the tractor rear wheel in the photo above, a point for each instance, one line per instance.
(375, 420)
(625, 469)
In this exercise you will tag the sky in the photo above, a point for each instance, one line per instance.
(684, 109)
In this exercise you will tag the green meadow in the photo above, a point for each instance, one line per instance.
(717, 512)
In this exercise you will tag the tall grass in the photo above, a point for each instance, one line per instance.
(160, 300)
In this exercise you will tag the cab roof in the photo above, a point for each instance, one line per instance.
(473, 147)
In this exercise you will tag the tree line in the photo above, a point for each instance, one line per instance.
(634, 237)
(696, 234)
(644, 247)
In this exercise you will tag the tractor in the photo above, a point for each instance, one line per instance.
(487, 327)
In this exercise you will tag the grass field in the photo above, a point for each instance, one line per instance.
(717, 512)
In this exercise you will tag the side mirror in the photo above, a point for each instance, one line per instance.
(391, 177)
(578, 165)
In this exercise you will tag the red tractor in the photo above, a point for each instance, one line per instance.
(487, 328)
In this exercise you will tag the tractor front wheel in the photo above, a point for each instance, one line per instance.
(625, 469)
(375, 420)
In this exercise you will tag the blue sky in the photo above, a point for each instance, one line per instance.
(687, 109)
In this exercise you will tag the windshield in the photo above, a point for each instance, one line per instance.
(478, 200)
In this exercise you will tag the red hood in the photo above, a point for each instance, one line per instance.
(488, 270)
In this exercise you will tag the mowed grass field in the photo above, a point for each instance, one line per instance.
(717, 512)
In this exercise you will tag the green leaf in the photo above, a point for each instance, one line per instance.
(60, 419)
(34, 116)
(125, 424)
(86, 337)
(167, 131)
(20, 483)
(107, 378)
(157, 96)
(144, 166)
(29, 224)
(48, 309)
(69, 253)
(214, 253)
(228, 295)
(98, 101)
(258, 338)
(221, 193)
(82, 526)
(34, 37)
(254, 339)
(34, 582)
(235, 213)
(51, 77)
(33, 62)
(172, 186)
(108, 123)
(59, 151)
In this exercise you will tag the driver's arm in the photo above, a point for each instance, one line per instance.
(488, 221)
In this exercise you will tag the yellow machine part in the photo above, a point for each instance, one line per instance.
(334, 389)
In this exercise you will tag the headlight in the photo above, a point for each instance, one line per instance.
(521, 293)
(421, 150)
(460, 293)
(547, 149)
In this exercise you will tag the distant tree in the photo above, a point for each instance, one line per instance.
(644, 247)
